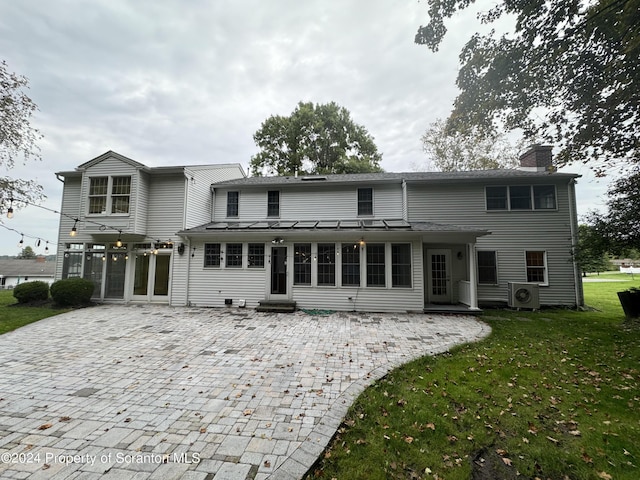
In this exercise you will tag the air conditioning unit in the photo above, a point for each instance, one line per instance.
(524, 295)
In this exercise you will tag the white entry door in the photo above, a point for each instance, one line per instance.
(439, 276)
(151, 277)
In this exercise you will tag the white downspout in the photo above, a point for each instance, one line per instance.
(574, 243)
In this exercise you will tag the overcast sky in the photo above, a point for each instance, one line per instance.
(168, 82)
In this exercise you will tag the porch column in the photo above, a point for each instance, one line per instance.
(473, 280)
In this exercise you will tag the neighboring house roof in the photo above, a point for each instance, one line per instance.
(392, 177)
(348, 225)
(25, 268)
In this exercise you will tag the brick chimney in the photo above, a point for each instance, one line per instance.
(537, 159)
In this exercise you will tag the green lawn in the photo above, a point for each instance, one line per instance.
(13, 316)
(551, 394)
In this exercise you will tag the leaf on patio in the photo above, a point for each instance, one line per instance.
(44, 426)
(267, 464)
(203, 430)
(247, 412)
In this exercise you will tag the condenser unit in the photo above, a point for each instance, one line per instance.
(524, 295)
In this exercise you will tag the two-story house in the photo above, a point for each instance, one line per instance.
(119, 220)
(362, 242)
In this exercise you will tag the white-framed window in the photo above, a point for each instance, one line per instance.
(487, 267)
(233, 257)
(536, 263)
(401, 265)
(273, 203)
(521, 197)
(212, 254)
(255, 255)
(365, 202)
(350, 264)
(109, 195)
(326, 264)
(233, 200)
(376, 276)
(302, 264)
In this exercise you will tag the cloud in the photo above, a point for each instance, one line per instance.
(171, 82)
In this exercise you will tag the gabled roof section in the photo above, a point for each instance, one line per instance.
(111, 154)
(392, 177)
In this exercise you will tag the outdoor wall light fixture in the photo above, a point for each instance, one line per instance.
(181, 249)
(460, 255)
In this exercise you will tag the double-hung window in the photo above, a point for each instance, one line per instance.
(487, 267)
(233, 199)
(326, 264)
(350, 265)
(255, 257)
(233, 257)
(401, 265)
(536, 266)
(375, 265)
(302, 264)
(365, 201)
(212, 254)
(273, 203)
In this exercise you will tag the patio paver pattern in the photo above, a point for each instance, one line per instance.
(156, 392)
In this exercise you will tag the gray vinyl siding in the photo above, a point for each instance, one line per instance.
(210, 286)
(311, 203)
(111, 167)
(199, 197)
(166, 206)
(70, 206)
(512, 233)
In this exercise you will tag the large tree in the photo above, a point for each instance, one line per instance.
(314, 139)
(568, 74)
(619, 228)
(590, 253)
(18, 138)
(450, 151)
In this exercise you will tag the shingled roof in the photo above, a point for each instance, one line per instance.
(391, 177)
(26, 268)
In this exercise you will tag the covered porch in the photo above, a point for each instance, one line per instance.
(450, 270)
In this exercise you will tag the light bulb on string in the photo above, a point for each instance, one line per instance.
(21, 242)
(74, 230)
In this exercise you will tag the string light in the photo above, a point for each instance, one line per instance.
(10, 209)
(74, 230)
(21, 242)
(119, 241)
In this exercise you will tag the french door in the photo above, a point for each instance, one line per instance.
(151, 277)
(439, 276)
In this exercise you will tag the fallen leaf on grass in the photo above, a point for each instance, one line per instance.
(553, 440)
(431, 426)
(408, 439)
(586, 458)
(507, 461)
(604, 475)
(575, 433)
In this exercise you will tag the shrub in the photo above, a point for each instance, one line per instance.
(72, 291)
(31, 291)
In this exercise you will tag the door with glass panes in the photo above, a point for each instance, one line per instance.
(151, 277)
